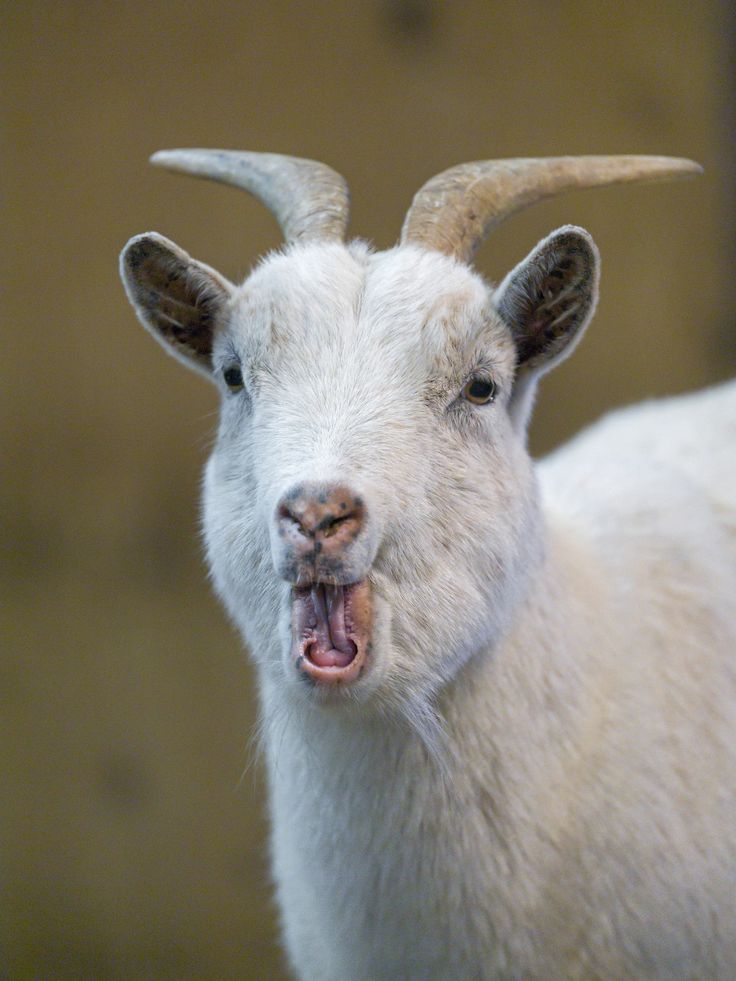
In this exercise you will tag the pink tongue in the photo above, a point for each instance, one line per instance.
(333, 648)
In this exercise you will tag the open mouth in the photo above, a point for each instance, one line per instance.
(331, 629)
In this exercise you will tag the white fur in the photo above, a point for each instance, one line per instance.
(536, 778)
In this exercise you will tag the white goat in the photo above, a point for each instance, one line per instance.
(499, 701)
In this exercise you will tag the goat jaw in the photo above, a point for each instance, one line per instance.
(331, 631)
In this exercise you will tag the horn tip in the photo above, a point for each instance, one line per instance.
(688, 168)
(196, 162)
(166, 158)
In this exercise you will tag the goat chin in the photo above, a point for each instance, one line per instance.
(498, 700)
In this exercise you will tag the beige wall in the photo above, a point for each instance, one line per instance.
(133, 831)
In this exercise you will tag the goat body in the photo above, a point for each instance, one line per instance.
(585, 824)
(498, 701)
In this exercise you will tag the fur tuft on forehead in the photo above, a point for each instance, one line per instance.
(327, 293)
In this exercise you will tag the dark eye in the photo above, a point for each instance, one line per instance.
(479, 391)
(233, 377)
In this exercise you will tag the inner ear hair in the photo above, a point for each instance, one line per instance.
(549, 298)
(176, 297)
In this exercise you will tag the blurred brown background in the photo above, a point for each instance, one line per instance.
(133, 830)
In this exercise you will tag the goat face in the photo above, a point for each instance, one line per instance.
(369, 507)
(352, 414)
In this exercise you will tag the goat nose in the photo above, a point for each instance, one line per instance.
(320, 519)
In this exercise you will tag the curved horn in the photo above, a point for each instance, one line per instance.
(454, 211)
(308, 199)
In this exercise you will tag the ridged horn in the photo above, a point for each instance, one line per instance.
(454, 211)
(308, 199)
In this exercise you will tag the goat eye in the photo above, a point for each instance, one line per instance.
(479, 391)
(233, 377)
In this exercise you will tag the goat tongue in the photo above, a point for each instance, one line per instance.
(332, 647)
(331, 631)
(335, 596)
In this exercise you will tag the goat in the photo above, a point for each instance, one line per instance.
(498, 699)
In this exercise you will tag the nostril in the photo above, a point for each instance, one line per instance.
(290, 519)
(330, 524)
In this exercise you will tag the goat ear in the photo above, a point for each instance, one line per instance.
(549, 299)
(177, 298)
